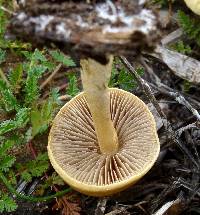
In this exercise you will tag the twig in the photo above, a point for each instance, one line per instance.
(145, 87)
(178, 98)
(181, 100)
(191, 187)
(51, 76)
(172, 37)
(32, 150)
(192, 125)
(147, 90)
(164, 89)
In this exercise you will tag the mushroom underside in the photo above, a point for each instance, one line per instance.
(74, 147)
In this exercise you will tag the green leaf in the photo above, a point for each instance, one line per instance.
(27, 54)
(21, 119)
(26, 176)
(42, 116)
(39, 170)
(7, 97)
(3, 22)
(37, 55)
(7, 203)
(57, 180)
(7, 126)
(2, 55)
(121, 78)
(181, 47)
(4, 147)
(190, 26)
(35, 168)
(6, 163)
(54, 97)
(54, 179)
(12, 177)
(61, 58)
(38, 125)
(15, 76)
(72, 88)
(49, 65)
(31, 87)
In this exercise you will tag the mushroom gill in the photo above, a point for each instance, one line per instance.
(74, 150)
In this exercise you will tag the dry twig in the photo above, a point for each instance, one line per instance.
(51, 76)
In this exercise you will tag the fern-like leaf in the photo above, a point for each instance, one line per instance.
(35, 168)
(7, 203)
(7, 162)
(15, 76)
(21, 119)
(72, 88)
(4, 147)
(190, 26)
(41, 117)
(2, 55)
(61, 58)
(7, 126)
(8, 99)
(37, 55)
(26, 176)
(32, 88)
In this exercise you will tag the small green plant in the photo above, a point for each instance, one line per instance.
(191, 26)
(52, 180)
(7, 203)
(60, 57)
(24, 113)
(3, 21)
(27, 115)
(34, 168)
(6, 162)
(121, 78)
(186, 86)
(72, 88)
(182, 48)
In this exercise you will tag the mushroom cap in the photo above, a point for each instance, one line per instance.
(194, 5)
(122, 28)
(75, 155)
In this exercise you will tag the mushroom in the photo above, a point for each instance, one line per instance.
(194, 5)
(104, 139)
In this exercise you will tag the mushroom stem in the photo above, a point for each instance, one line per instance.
(95, 78)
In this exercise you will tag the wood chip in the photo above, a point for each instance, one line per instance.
(181, 65)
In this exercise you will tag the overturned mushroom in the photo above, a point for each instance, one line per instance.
(103, 140)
